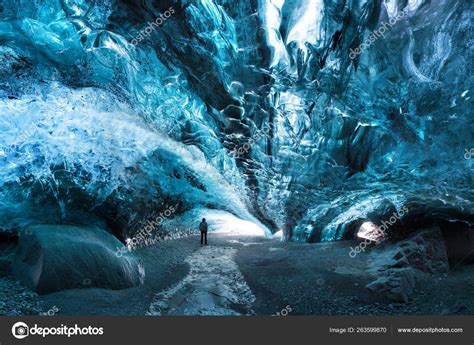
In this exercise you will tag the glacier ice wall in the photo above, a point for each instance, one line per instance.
(309, 116)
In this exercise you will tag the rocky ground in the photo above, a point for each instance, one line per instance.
(15, 299)
(251, 275)
(323, 279)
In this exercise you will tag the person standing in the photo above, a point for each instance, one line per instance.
(203, 228)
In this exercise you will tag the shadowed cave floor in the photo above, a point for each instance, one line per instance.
(251, 276)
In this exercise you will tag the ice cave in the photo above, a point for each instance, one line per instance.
(327, 143)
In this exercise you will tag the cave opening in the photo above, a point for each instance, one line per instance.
(305, 134)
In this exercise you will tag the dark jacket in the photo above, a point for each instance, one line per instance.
(203, 227)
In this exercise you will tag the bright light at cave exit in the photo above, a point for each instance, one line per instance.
(370, 231)
(220, 222)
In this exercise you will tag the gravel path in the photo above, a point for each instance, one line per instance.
(214, 286)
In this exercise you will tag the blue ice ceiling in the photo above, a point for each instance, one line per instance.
(106, 117)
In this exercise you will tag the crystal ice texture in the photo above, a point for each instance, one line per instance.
(93, 124)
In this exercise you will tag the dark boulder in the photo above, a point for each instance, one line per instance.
(401, 267)
(56, 257)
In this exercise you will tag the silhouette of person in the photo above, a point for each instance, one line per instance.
(203, 228)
